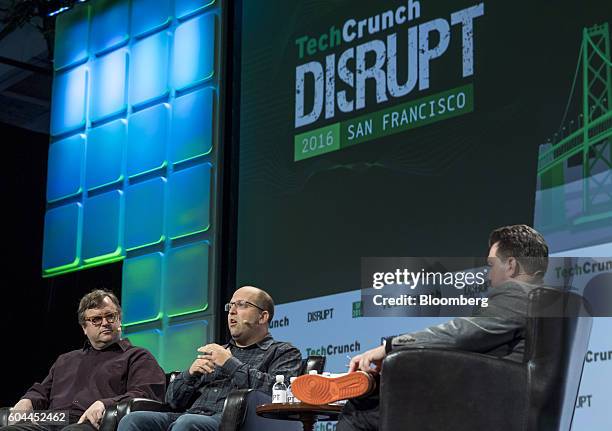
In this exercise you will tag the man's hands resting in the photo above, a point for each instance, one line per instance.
(365, 360)
(24, 405)
(93, 414)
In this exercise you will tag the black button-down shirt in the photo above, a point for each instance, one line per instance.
(79, 378)
(252, 367)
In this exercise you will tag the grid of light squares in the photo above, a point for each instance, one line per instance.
(131, 172)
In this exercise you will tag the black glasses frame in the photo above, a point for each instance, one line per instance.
(229, 305)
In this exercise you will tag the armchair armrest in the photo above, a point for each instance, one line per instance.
(239, 413)
(4, 412)
(466, 387)
(113, 415)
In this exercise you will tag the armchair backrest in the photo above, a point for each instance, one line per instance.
(556, 342)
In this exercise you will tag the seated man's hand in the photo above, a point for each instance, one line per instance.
(93, 414)
(24, 405)
(218, 354)
(365, 360)
(202, 365)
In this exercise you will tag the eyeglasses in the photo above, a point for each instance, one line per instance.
(97, 320)
(241, 304)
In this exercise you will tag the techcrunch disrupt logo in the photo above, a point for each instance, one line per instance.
(426, 42)
(331, 349)
(413, 279)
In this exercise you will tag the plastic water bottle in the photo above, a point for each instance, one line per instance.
(279, 390)
(290, 397)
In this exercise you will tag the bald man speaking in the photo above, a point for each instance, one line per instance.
(251, 359)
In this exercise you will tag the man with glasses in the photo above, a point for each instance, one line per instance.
(87, 381)
(250, 360)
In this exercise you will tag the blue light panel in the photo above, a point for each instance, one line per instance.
(105, 148)
(108, 86)
(102, 226)
(147, 19)
(194, 52)
(69, 101)
(149, 69)
(189, 201)
(109, 25)
(148, 133)
(192, 138)
(144, 213)
(65, 168)
(72, 34)
(61, 242)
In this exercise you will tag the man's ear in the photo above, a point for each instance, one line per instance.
(83, 328)
(512, 266)
(265, 319)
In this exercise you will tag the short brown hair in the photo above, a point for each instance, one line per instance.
(525, 244)
(95, 299)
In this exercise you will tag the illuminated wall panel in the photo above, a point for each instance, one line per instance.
(192, 139)
(147, 140)
(108, 85)
(110, 24)
(102, 226)
(194, 52)
(187, 280)
(65, 168)
(144, 213)
(133, 162)
(61, 242)
(150, 340)
(149, 69)
(71, 33)
(146, 19)
(105, 148)
(142, 288)
(189, 201)
(181, 341)
(69, 101)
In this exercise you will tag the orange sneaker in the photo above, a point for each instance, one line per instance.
(316, 389)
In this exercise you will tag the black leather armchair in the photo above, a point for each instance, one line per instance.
(238, 412)
(437, 389)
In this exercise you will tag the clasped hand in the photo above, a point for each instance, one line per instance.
(211, 355)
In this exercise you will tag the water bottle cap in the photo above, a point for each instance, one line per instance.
(280, 378)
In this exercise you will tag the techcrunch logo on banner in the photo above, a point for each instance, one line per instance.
(337, 349)
(365, 50)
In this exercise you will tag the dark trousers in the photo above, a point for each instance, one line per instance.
(361, 414)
